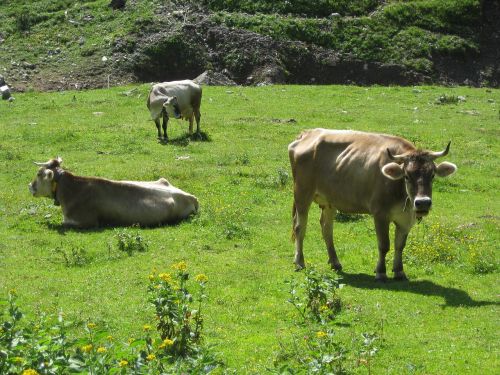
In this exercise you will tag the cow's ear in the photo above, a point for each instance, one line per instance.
(49, 174)
(445, 169)
(394, 171)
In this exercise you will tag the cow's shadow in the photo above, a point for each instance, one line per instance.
(453, 297)
(185, 139)
(63, 229)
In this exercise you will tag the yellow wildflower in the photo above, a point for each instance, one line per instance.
(166, 343)
(101, 349)
(110, 338)
(151, 357)
(29, 372)
(123, 363)
(181, 266)
(321, 334)
(91, 325)
(146, 327)
(201, 278)
(17, 359)
(130, 340)
(87, 348)
(165, 277)
(151, 277)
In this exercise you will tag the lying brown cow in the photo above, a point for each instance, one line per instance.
(91, 201)
(357, 172)
(178, 99)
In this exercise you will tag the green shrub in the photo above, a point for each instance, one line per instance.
(317, 8)
(316, 298)
(26, 18)
(130, 242)
(448, 99)
(455, 16)
(42, 346)
(76, 257)
(179, 324)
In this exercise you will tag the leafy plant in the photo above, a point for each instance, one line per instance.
(130, 242)
(320, 301)
(179, 324)
(76, 257)
(449, 99)
(43, 346)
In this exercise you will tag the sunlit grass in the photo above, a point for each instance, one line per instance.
(241, 237)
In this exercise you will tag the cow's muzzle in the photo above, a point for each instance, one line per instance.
(422, 205)
(31, 188)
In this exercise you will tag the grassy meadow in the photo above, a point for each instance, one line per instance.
(445, 320)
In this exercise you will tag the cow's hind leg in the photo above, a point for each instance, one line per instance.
(197, 116)
(400, 237)
(326, 221)
(382, 230)
(191, 125)
(158, 126)
(300, 214)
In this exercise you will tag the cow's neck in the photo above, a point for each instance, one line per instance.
(58, 173)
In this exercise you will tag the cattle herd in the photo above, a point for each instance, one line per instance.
(350, 171)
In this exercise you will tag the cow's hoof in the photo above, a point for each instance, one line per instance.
(400, 276)
(299, 267)
(381, 277)
(336, 267)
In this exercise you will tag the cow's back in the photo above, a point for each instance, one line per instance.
(344, 167)
(125, 202)
(188, 95)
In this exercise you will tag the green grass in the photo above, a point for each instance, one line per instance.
(445, 320)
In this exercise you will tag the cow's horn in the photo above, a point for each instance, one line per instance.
(51, 163)
(435, 155)
(396, 158)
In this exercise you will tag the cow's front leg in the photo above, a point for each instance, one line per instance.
(326, 222)
(400, 237)
(158, 127)
(299, 231)
(165, 123)
(382, 230)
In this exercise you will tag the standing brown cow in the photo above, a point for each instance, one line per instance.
(367, 173)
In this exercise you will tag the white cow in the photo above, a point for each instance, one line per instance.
(179, 99)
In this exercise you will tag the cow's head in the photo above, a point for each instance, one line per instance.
(418, 169)
(44, 184)
(171, 106)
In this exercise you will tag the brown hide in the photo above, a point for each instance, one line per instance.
(355, 172)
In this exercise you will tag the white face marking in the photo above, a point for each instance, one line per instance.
(172, 107)
(42, 185)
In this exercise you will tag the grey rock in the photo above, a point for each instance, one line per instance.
(211, 78)
(5, 91)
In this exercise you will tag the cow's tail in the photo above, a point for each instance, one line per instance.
(196, 206)
(294, 220)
